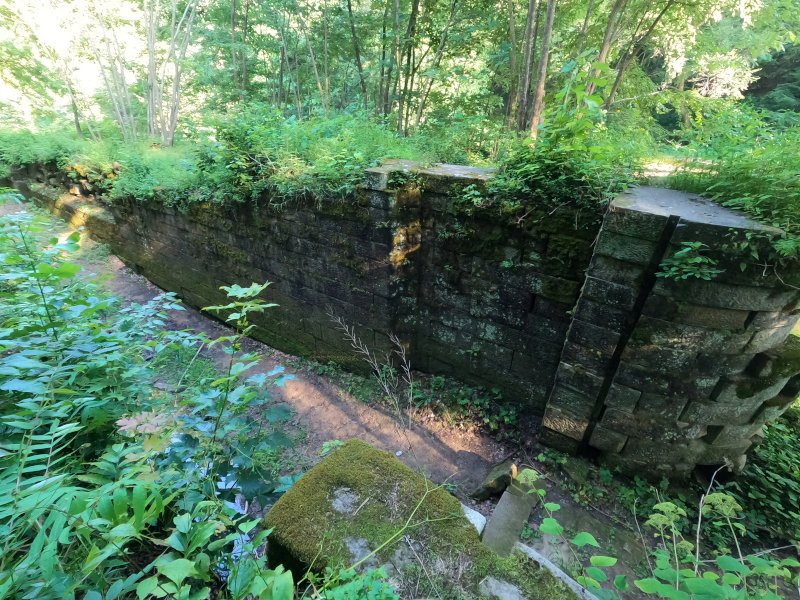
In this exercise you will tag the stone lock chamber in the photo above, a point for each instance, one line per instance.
(565, 313)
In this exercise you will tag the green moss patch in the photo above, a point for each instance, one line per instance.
(362, 507)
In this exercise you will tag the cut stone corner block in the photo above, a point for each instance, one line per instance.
(689, 370)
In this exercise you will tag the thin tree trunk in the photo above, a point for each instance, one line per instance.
(538, 97)
(410, 88)
(152, 71)
(282, 59)
(612, 24)
(74, 105)
(407, 51)
(390, 98)
(631, 50)
(684, 109)
(179, 42)
(437, 59)
(234, 51)
(390, 92)
(243, 52)
(379, 102)
(513, 79)
(362, 82)
(524, 87)
(325, 52)
(322, 97)
(298, 86)
(584, 27)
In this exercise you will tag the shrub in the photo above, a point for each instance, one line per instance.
(108, 487)
(769, 487)
(746, 162)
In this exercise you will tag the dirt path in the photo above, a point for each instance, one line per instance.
(322, 409)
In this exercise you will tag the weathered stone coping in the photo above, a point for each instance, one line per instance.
(379, 178)
(688, 207)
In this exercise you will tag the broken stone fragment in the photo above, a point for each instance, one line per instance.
(499, 590)
(474, 517)
(495, 482)
(505, 525)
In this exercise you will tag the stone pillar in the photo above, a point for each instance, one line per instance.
(660, 375)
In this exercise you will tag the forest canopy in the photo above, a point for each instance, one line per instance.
(228, 99)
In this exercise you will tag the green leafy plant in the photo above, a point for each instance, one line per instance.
(109, 488)
(677, 571)
(769, 487)
(689, 262)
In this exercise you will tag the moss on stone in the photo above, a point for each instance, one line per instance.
(787, 363)
(386, 495)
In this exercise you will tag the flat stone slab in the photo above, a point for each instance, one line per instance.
(458, 171)
(689, 207)
(506, 523)
(377, 178)
(362, 508)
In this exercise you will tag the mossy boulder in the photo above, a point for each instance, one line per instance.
(361, 507)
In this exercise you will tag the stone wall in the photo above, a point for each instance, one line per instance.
(661, 375)
(565, 317)
(469, 296)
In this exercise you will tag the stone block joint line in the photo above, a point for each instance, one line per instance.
(648, 283)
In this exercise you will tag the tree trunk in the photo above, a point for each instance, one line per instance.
(524, 87)
(437, 59)
(631, 50)
(282, 59)
(609, 34)
(538, 97)
(243, 52)
(584, 28)
(322, 97)
(74, 105)
(362, 82)
(325, 52)
(153, 91)
(407, 52)
(513, 79)
(394, 65)
(177, 54)
(234, 51)
(379, 102)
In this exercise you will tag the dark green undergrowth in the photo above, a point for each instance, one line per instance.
(259, 155)
(769, 487)
(253, 155)
(128, 462)
(768, 490)
(744, 159)
(445, 398)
